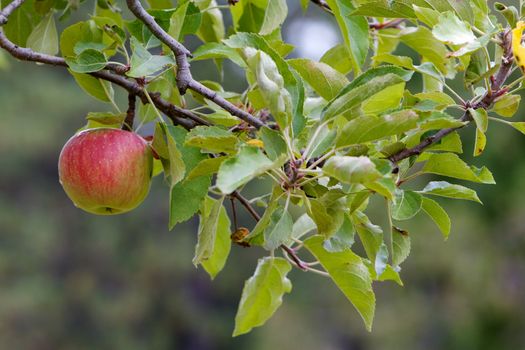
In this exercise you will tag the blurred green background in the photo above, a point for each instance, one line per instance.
(70, 280)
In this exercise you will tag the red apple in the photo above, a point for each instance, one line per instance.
(106, 171)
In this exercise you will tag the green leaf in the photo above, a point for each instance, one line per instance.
(354, 30)
(262, 294)
(389, 274)
(438, 215)
(327, 213)
(185, 20)
(406, 205)
(365, 86)
(381, 260)
(279, 229)
(186, 196)
(271, 85)
(480, 143)
(259, 16)
(343, 239)
(71, 36)
(274, 143)
(99, 119)
(350, 274)
(370, 128)
(212, 138)
(428, 69)
(449, 143)
(207, 166)
(383, 8)
(221, 249)
(172, 161)
(385, 186)
(349, 169)
(207, 231)
(138, 30)
(401, 245)
(520, 126)
(405, 9)
(439, 120)
(302, 226)
(326, 81)
(449, 164)
(322, 140)
(93, 86)
(144, 63)
(371, 235)
(212, 23)
(249, 163)
(88, 61)
(274, 16)
(217, 50)
(389, 98)
(426, 15)
(422, 41)
(451, 30)
(448, 190)
(21, 22)
(338, 58)
(257, 235)
(507, 105)
(291, 82)
(480, 117)
(248, 17)
(44, 37)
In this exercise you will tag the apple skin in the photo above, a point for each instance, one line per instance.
(106, 171)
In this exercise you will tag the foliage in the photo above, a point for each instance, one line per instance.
(330, 138)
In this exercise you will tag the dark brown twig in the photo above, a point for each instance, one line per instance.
(246, 204)
(130, 113)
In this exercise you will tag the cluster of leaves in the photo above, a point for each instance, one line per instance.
(337, 132)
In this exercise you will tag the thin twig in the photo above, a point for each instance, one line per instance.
(291, 253)
(234, 212)
(486, 101)
(130, 113)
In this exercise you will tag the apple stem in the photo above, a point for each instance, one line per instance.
(130, 114)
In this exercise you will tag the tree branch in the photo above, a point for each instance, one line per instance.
(495, 91)
(178, 115)
(184, 78)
